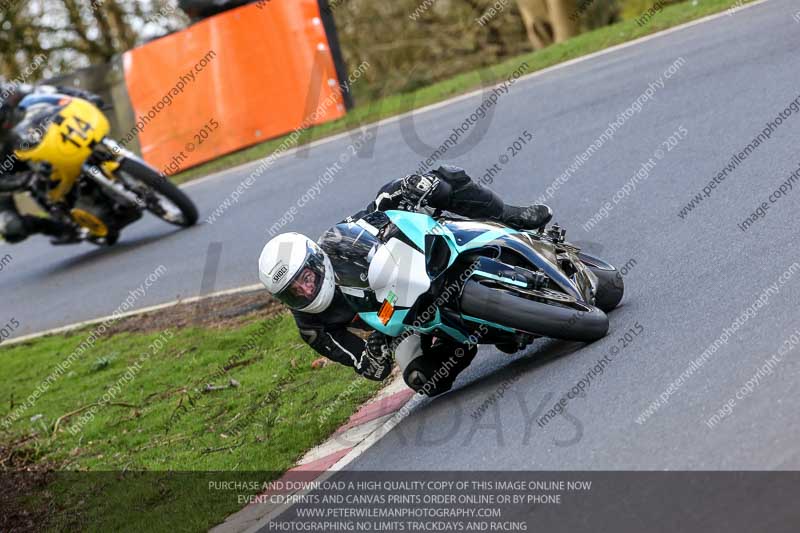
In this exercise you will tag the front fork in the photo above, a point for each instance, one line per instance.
(115, 150)
(102, 172)
(112, 186)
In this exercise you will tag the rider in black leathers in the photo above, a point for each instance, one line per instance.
(15, 174)
(327, 332)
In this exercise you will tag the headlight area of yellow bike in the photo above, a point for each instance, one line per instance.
(32, 137)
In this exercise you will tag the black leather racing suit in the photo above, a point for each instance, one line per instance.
(328, 332)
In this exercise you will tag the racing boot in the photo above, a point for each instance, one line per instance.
(534, 217)
(70, 236)
(16, 228)
(59, 232)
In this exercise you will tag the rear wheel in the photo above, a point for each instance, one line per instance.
(159, 195)
(502, 306)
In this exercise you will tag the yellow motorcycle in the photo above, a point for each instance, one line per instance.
(84, 178)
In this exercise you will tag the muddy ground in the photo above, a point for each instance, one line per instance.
(221, 312)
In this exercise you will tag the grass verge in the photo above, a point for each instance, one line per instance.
(388, 106)
(129, 437)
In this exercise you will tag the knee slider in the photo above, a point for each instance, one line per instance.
(12, 227)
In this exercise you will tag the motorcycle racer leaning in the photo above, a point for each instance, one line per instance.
(298, 272)
(15, 175)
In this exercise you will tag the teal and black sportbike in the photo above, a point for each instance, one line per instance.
(477, 282)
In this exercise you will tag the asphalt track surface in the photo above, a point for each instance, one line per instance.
(691, 279)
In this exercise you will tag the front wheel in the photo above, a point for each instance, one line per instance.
(159, 195)
(502, 306)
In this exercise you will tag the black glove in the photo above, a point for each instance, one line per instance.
(376, 360)
(422, 191)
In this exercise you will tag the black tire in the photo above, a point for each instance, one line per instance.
(611, 286)
(144, 173)
(610, 289)
(112, 238)
(515, 311)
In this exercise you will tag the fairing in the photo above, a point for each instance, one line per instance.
(354, 246)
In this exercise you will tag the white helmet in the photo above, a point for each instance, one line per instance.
(297, 272)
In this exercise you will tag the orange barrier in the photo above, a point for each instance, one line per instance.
(231, 81)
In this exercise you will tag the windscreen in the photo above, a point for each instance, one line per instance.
(349, 247)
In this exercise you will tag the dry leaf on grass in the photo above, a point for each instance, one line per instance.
(320, 363)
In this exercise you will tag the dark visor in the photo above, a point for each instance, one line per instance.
(306, 284)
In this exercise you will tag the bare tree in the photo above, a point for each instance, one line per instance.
(553, 21)
(562, 16)
(76, 33)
